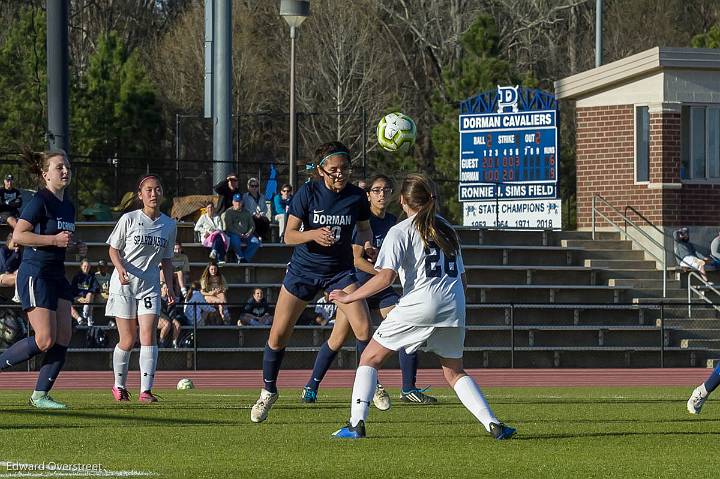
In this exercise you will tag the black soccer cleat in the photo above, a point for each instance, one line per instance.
(417, 396)
(500, 431)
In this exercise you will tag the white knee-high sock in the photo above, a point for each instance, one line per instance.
(363, 390)
(472, 398)
(148, 363)
(121, 362)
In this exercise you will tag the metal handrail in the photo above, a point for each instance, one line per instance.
(650, 223)
(627, 235)
(701, 293)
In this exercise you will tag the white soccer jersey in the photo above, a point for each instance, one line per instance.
(433, 293)
(142, 243)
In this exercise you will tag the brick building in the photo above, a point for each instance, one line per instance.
(648, 136)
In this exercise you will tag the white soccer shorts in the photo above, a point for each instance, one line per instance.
(446, 342)
(130, 308)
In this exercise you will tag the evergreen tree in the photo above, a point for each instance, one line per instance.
(709, 39)
(23, 83)
(480, 69)
(115, 115)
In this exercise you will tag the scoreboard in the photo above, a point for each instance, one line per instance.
(509, 157)
(508, 148)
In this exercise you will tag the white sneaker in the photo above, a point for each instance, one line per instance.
(16, 298)
(260, 410)
(696, 401)
(213, 254)
(381, 399)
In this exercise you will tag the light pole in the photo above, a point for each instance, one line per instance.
(294, 12)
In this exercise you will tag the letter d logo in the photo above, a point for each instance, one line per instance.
(507, 98)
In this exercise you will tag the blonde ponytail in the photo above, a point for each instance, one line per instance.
(419, 193)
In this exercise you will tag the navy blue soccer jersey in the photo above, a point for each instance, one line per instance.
(49, 216)
(380, 227)
(318, 206)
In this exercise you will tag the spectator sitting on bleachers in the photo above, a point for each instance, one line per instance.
(213, 287)
(281, 204)
(687, 256)
(10, 202)
(255, 204)
(196, 308)
(210, 228)
(256, 311)
(171, 319)
(325, 311)
(181, 266)
(10, 258)
(102, 277)
(239, 226)
(84, 289)
(226, 189)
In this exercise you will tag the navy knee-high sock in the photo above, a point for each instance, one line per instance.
(323, 361)
(360, 346)
(272, 359)
(51, 366)
(713, 381)
(19, 352)
(408, 366)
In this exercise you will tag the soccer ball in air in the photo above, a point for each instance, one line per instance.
(396, 132)
(185, 383)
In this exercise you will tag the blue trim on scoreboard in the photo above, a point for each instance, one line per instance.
(528, 99)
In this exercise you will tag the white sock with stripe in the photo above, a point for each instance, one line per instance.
(121, 362)
(148, 364)
(472, 398)
(363, 391)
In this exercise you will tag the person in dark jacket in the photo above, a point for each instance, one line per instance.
(687, 256)
(256, 311)
(226, 189)
(85, 287)
(10, 257)
(10, 202)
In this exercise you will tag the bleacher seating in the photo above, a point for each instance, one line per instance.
(536, 299)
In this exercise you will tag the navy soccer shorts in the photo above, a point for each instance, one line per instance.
(41, 291)
(305, 285)
(384, 299)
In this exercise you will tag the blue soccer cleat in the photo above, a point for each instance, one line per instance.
(350, 432)
(308, 395)
(500, 431)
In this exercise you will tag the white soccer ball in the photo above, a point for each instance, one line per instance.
(396, 132)
(185, 383)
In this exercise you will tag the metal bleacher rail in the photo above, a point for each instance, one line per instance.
(662, 258)
(509, 329)
(701, 290)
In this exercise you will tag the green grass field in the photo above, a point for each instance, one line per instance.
(562, 432)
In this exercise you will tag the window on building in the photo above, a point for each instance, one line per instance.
(642, 144)
(700, 142)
